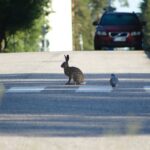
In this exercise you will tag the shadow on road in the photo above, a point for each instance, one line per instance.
(59, 110)
(148, 54)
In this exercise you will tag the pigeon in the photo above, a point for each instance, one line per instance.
(114, 80)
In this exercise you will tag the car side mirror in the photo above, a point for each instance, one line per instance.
(95, 23)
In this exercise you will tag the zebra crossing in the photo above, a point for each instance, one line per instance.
(79, 110)
(28, 83)
(77, 89)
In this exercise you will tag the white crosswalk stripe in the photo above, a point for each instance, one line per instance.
(94, 89)
(25, 89)
(147, 88)
(77, 89)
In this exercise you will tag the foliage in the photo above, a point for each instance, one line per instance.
(27, 40)
(19, 15)
(85, 12)
(124, 2)
(145, 7)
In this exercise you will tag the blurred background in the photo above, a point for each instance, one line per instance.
(54, 25)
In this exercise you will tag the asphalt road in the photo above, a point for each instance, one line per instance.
(38, 111)
(42, 105)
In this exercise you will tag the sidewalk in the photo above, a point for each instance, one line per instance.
(97, 143)
(88, 61)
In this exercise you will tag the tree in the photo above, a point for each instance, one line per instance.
(124, 2)
(145, 7)
(84, 13)
(28, 39)
(19, 15)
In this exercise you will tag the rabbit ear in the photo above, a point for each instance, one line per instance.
(67, 58)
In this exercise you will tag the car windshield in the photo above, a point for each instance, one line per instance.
(119, 19)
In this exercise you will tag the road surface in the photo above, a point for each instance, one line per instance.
(37, 109)
(42, 105)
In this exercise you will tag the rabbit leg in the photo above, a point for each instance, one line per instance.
(69, 81)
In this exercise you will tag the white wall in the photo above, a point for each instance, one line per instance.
(60, 35)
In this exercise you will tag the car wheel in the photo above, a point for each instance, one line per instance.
(97, 47)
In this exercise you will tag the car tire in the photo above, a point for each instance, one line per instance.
(97, 47)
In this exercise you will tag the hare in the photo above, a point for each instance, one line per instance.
(72, 72)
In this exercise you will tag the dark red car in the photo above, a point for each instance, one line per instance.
(118, 29)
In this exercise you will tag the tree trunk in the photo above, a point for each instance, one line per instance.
(2, 41)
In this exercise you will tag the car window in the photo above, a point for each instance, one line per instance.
(119, 19)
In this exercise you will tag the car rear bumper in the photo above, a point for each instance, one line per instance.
(109, 42)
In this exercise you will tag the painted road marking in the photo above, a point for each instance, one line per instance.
(78, 89)
(147, 88)
(33, 89)
(60, 79)
(25, 89)
(94, 89)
